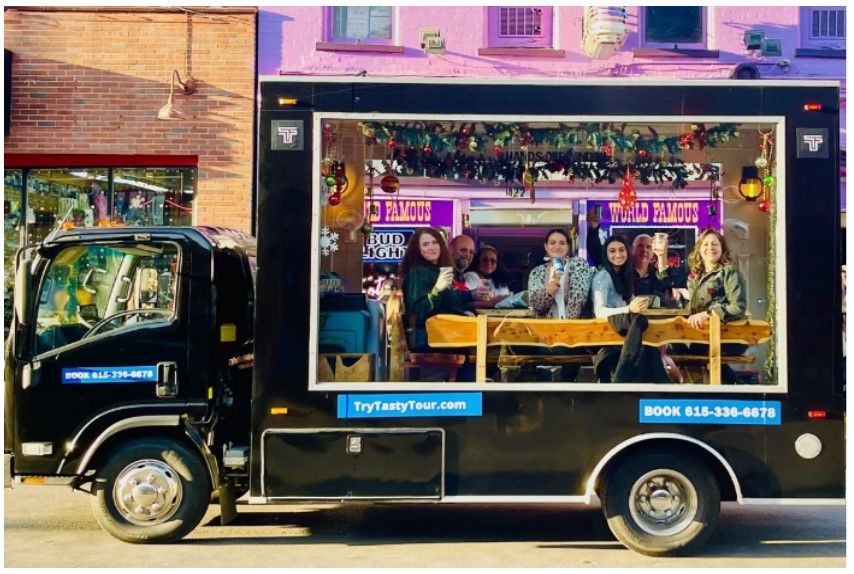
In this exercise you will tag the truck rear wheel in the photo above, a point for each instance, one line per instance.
(661, 505)
(151, 491)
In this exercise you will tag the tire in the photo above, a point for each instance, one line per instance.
(152, 490)
(687, 504)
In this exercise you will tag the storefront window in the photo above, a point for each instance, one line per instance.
(11, 235)
(75, 195)
(149, 196)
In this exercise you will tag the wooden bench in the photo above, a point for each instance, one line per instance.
(455, 331)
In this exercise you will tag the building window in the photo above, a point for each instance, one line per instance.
(520, 27)
(360, 24)
(674, 27)
(823, 27)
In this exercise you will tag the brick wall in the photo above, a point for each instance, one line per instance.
(92, 81)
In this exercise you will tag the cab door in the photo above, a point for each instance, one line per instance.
(109, 333)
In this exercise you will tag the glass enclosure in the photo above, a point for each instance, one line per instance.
(689, 208)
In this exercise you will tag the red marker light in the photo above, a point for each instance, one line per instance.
(812, 107)
(816, 414)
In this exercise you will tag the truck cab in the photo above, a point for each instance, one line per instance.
(129, 332)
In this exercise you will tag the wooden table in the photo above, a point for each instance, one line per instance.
(456, 331)
(505, 312)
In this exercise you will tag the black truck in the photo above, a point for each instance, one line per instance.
(151, 367)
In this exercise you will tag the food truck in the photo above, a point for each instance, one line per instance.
(194, 360)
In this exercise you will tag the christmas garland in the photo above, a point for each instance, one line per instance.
(438, 137)
(589, 167)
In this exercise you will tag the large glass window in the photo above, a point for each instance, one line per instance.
(97, 288)
(547, 252)
(823, 27)
(154, 196)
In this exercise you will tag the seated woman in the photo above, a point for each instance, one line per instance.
(559, 289)
(489, 273)
(716, 286)
(613, 285)
(427, 272)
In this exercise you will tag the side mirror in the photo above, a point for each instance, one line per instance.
(21, 305)
(23, 287)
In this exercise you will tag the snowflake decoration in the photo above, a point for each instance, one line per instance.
(328, 242)
(136, 202)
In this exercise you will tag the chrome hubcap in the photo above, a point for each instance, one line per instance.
(147, 492)
(663, 502)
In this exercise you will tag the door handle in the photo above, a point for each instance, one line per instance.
(167, 380)
(129, 283)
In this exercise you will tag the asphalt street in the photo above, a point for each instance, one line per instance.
(54, 527)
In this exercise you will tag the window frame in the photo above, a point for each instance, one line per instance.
(781, 385)
(808, 41)
(704, 32)
(329, 28)
(493, 22)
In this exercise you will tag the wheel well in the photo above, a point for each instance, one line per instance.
(173, 433)
(673, 447)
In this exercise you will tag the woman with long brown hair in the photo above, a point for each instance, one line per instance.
(427, 272)
(714, 282)
(716, 286)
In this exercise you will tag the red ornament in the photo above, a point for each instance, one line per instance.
(334, 199)
(466, 132)
(392, 143)
(498, 150)
(427, 149)
(389, 183)
(607, 149)
(642, 153)
(764, 206)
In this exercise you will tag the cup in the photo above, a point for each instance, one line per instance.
(559, 265)
(443, 270)
(659, 242)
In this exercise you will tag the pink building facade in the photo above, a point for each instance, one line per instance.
(515, 43)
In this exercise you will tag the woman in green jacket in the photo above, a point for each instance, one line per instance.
(427, 271)
(716, 286)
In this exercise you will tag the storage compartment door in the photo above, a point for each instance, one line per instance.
(353, 463)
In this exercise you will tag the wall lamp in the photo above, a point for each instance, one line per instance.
(186, 88)
(750, 186)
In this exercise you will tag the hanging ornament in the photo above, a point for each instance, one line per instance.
(627, 195)
(498, 150)
(334, 199)
(328, 242)
(607, 149)
(768, 180)
(761, 162)
(465, 132)
(390, 183)
(764, 206)
(427, 149)
(392, 143)
(642, 153)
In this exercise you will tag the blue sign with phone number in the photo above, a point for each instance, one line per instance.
(118, 374)
(707, 411)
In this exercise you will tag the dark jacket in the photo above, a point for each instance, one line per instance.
(721, 291)
(420, 299)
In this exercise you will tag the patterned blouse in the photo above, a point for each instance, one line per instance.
(578, 289)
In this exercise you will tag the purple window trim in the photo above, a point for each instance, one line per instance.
(496, 40)
(329, 30)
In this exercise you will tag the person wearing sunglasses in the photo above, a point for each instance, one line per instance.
(488, 272)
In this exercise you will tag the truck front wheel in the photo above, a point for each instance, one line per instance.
(660, 504)
(151, 491)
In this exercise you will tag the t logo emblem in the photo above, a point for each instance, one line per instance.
(813, 142)
(288, 133)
